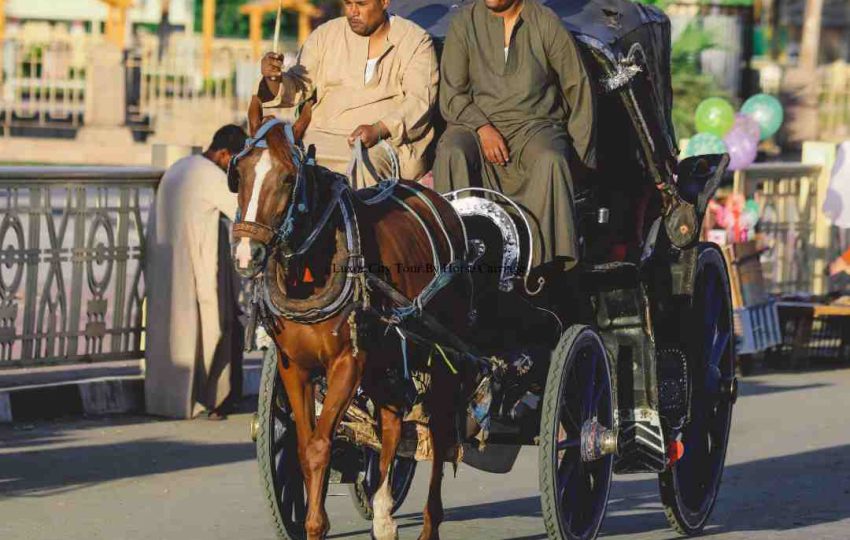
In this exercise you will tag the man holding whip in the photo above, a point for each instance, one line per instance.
(367, 75)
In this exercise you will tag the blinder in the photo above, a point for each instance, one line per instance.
(257, 141)
(233, 174)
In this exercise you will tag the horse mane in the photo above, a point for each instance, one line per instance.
(279, 147)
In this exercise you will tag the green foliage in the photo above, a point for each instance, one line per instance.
(690, 85)
(229, 22)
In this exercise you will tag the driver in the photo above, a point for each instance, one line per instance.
(520, 112)
(370, 76)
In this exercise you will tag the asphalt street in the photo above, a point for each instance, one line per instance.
(787, 477)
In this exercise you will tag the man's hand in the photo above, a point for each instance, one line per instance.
(272, 66)
(494, 145)
(370, 135)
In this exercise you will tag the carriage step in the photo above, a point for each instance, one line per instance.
(610, 276)
(642, 447)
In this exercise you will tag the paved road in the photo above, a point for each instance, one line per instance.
(788, 477)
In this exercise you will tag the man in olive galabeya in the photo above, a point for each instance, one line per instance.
(520, 108)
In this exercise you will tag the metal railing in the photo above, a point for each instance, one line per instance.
(790, 220)
(42, 84)
(72, 244)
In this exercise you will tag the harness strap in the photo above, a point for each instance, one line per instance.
(254, 230)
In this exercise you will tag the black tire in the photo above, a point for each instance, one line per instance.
(363, 489)
(746, 364)
(574, 494)
(277, 454)
(689, 489)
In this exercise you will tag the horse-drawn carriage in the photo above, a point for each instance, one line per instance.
(641, 381)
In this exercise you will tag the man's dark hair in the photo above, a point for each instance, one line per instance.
(230, 137)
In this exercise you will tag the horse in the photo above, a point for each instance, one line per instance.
(411, 229)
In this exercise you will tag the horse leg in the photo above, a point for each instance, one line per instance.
(344, 374)
(299, 391)
(383, 524)
(441, 426)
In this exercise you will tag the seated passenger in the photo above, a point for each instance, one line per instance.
(368, 75)
(520, 111)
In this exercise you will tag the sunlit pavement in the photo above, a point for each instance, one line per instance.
(787, 477)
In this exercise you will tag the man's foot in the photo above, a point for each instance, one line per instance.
(216, 415)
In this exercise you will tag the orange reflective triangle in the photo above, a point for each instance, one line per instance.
(308, 276)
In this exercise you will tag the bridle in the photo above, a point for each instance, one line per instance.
(278, 236)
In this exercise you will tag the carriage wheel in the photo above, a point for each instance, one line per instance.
(577, 408)
(689, 489)
(277, 453)
(364, 488)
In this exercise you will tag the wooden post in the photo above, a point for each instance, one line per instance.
(2, 34)
(823, 154)
(208, 25)
(116, 21)
(810, 48)
(2, 20)
(256, 32)
(305, 25)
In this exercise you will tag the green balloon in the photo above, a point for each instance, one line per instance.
(767, 111)
(703, 144)
(716, 116)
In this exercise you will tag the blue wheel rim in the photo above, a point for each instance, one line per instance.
(705, 437)
(288, 479)
(582, 488)
(401, 475)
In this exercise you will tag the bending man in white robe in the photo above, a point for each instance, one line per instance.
(193, 335)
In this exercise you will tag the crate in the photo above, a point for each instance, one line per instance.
(757, 328)
(746, 280)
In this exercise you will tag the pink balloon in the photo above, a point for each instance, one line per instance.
(749, 124)
(741, 146)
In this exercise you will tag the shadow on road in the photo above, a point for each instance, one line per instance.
(754, 388)
(775, 494)
(42, 472)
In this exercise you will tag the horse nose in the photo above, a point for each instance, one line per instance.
(248, 255)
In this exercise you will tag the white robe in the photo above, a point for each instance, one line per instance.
(837, 204)
(187, 357)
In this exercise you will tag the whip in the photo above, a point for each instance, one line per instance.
(277, 26)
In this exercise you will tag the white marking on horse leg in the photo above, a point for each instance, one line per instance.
(243, 252)
(260, 171)
(383, 524)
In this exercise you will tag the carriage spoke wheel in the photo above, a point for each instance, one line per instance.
(578, 398)
(277, 454)
(368, 482)
(689, 489)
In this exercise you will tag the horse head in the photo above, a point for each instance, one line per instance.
(264, 176)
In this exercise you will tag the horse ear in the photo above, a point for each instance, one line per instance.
(255, 115)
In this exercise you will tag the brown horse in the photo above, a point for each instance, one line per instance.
(395, 240)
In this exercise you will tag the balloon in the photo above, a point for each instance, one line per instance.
(749, 125)
(742, 148)
(716, 116)
(749, 218)
(767, 111)
(703, 144)
(752, 206)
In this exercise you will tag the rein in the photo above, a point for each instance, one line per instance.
(354, 294)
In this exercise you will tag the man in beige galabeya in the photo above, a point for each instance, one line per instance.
(368, 75)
